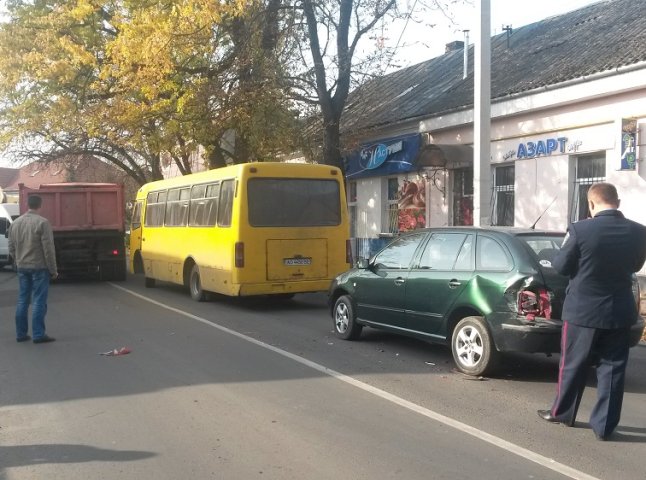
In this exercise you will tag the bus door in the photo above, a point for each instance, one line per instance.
(135, 237)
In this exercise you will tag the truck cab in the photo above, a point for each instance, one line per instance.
(8, 213)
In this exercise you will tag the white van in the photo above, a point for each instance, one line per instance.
(8, 213)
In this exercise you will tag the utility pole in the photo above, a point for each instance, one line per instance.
(482, 118)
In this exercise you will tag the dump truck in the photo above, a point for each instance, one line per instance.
(88, 224)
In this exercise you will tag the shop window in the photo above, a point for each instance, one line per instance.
(503, 208)
(391, 220)
(463, 196)
(589, 169)
(352, 207)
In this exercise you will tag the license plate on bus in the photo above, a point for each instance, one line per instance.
(290, 262)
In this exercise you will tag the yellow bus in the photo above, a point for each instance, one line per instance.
(263, 228)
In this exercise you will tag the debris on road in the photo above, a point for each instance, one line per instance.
(116, 351)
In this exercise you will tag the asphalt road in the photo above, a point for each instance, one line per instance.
(256, 388)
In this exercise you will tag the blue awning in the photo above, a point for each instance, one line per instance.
(389, 156)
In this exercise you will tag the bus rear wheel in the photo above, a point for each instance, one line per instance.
(195, 285)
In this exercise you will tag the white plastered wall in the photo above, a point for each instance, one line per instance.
(370, 204)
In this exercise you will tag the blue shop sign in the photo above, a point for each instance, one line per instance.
(389, 156)
(541, 148)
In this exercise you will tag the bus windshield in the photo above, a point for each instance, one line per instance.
(290, 202)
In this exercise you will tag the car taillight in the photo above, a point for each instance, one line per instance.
(534, 304)
(115, 252)
(348, 252)
(239, 254)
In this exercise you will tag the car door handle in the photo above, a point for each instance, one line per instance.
(454, 283)
(399, 281)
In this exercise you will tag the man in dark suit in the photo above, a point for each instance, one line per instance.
(599, 255)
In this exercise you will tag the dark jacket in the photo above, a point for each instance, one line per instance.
(600, 255)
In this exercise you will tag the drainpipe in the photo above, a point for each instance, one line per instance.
(466, 54)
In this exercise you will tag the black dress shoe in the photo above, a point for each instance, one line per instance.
(548, 417)
(44, 339)
(26, 338)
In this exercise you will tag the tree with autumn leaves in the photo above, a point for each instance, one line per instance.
(130, 80)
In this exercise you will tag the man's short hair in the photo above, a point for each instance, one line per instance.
(604, 193)
(34, 202)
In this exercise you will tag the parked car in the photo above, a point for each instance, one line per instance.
(483, 291)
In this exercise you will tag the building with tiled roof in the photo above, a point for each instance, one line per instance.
(84, 168)
(568, 109)
(602, 39)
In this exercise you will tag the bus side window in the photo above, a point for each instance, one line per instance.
(184, 197)
(151, 200)
(226, 204)
(197, 206)
(211, 206)
(172, 208)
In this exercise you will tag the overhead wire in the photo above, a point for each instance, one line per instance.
(401, 35)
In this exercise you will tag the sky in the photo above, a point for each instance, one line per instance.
(426, 34)
(427, 37)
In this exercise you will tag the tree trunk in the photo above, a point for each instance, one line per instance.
(332, 145)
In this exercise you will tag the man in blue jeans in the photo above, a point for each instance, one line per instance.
(31, 245)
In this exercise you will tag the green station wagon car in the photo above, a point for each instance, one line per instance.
(483, 291)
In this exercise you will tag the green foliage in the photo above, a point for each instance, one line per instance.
(128, 80)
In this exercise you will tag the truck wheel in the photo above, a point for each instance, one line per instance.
(149, 282)
(113, 271)
(119, 272)
(474, 351)
(195, 285)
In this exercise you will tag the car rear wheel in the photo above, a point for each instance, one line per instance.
(473, 349)
(345, 323)
(195, 285)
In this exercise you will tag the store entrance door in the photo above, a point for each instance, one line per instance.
(463, 196)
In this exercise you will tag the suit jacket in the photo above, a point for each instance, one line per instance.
(600, 255)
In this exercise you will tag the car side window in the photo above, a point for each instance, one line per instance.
(441, 251)
(465, 257)
(399, 254)
(491, 255)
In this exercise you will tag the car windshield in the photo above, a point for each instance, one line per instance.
(543, 246)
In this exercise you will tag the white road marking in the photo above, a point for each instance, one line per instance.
(463, 427)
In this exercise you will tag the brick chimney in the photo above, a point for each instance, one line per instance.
(453, 46)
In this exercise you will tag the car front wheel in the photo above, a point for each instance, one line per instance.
(473, 348)
(345, 323)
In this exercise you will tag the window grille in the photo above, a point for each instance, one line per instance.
(590, 169)
(463, 196)
(503, 208)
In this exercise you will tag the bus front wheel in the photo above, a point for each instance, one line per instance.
(195, 285)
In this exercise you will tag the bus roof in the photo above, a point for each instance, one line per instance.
(265, 169)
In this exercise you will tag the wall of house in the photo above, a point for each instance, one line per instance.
(544, 185)
(592, 126)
